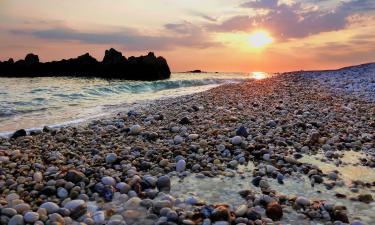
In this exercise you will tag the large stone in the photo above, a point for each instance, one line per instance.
(19, 133)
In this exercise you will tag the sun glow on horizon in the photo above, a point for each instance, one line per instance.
(259, 75)
(260, 39)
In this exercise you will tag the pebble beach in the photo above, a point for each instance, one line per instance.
(289, 149)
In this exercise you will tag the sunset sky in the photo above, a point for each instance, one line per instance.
(212, 35)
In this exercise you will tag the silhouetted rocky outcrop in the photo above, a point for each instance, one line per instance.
(113, 65)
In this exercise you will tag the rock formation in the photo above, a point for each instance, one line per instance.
(113, 66)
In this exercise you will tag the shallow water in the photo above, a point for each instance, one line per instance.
(35, 102)
(225, 189)
(349, 170)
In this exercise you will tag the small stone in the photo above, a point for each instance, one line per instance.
(12, 197)
(22, 207)
(74, 176)
(256, 181)
(181, 165)
(253, 215)
(62, 193)
(280, 178)
(193, 136)
(135, 129)
(366, 198)
(339, 215)
(263, 184)
(271, 123)
(241, 131)
(270, 169)
(302, 201)
(31, 217)
(99, 217)
(55, 217)
(221, 213)
(51, 207)
(237, 140)
(274, 211)
(124, 188)
(110, 158)
(178, 140)
(76, 207)
(267, 157)
(16, 220)
(38, 177)
(184, 121)
(241, 210)
(9, 212)
(164, 162)
(164, 183)
(108, 181)
(332, 176)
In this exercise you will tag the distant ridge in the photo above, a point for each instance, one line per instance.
(113, 66)
(363, 65)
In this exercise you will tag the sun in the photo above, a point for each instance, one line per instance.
(260, 39)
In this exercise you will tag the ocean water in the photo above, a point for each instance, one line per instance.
(31, 103)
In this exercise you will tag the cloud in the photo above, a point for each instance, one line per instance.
(202, 15)
(294, 20)
(174, 35)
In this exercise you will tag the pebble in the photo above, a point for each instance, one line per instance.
(241, 210)
(8, 212)
(302, 201)
(99, 217)
(51, 207)
(181, 165)
(108, 181)
(236, 140)
(76, 207)
(241, 131)
(110, 158)
(38, 177)
(62, 193)
(274, 211)
(21, 208)
(16, 220)
(135, 129)
(178, 139)
(31, 217)
(74, 176)
(193, 136)
(164, 183)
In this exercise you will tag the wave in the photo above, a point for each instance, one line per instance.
(141, 87)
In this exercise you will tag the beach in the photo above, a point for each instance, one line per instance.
(289, 149)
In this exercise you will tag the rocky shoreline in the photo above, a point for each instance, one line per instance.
(123, 170)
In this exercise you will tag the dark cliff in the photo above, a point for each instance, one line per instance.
(113, 66)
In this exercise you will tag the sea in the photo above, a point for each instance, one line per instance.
(32, 103)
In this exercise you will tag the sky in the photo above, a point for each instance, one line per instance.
(211, 35)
